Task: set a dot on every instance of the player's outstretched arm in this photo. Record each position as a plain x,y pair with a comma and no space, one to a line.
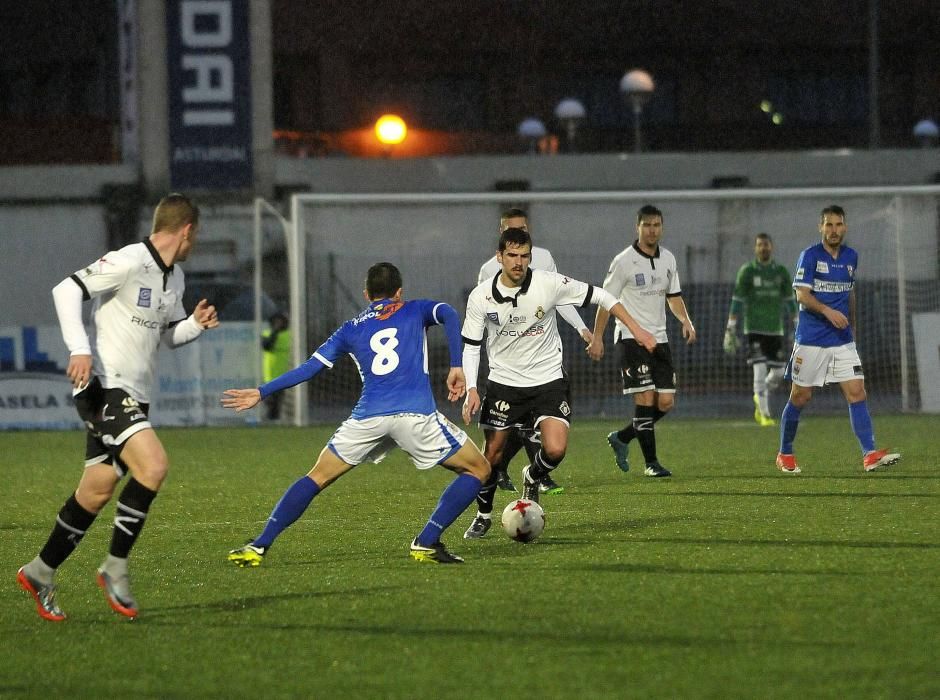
640,334
241,399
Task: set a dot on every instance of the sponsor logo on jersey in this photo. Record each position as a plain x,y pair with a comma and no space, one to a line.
757,281
380,312
144,296
639,279
822,267
138,321
517,319
493,316
822,286
387,311
532,331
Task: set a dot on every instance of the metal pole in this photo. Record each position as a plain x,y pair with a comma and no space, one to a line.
898,204
637,138
259,365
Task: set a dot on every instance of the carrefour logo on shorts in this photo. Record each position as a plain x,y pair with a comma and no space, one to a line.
143,297
501,406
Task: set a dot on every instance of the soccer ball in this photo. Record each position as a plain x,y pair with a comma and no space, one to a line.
523,520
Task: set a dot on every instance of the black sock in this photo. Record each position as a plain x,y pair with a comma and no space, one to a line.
628,432
541,466
486,494
645,434
132,508
70,526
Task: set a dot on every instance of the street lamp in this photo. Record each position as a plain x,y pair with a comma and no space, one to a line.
390,130
926,133
531,130
637,85
570,112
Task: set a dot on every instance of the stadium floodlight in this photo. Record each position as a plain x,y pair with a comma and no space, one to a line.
531,129
926,133
637,87
570,112
390,130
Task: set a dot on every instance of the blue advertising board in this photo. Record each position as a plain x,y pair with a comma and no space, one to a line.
209,84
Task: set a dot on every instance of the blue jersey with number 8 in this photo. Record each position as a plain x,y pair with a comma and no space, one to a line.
388,343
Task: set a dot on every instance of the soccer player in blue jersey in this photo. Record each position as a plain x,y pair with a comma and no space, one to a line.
387,341
824,346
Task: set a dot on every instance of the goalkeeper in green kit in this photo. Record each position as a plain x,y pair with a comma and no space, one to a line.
763,291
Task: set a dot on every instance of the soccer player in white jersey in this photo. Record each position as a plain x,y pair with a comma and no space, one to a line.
388,343
541,260
645,279
138,294
824,346
526,385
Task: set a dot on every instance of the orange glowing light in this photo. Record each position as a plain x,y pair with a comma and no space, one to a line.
390,129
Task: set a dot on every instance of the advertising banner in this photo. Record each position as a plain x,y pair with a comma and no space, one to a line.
36,395
209,90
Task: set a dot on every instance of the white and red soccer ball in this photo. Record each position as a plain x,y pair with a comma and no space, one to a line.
523,520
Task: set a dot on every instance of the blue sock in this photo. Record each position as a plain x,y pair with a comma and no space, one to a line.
454,501
789,422
860,419
291,506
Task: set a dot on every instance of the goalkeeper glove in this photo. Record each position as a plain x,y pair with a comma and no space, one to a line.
731,342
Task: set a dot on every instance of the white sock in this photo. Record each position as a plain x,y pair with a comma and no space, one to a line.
114,566
38,570
760,387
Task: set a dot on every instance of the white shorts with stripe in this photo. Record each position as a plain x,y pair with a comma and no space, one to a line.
811,365
428,440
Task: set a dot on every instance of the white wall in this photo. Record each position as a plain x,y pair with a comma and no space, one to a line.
52,218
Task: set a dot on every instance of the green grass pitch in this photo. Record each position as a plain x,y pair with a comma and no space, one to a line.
728,580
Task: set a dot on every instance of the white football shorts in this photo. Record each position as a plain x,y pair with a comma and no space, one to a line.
428,440
814,366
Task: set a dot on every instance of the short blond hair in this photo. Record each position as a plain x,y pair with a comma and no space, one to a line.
173,213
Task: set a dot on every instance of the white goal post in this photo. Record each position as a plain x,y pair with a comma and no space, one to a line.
439,240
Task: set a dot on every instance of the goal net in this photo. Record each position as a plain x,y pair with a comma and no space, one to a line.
439,242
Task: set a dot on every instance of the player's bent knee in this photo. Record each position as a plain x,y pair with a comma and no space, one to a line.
92,500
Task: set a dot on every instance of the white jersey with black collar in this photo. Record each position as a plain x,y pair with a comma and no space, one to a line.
641,283
136,298
522,341
541,260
